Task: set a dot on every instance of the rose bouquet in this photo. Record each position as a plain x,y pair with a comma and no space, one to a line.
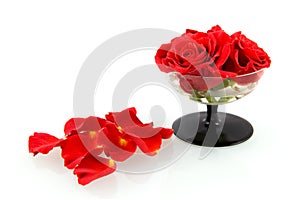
213,67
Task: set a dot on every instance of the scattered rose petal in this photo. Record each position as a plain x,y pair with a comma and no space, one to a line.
87,138
42,143
92,167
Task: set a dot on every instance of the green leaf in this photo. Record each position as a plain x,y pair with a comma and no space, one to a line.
227,82
211,99
225,99
196,99
196,96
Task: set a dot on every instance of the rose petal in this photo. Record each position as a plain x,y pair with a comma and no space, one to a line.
215,28
42,143
149,146
77,125
72,125
118,146
92,167
166,133
190,31
227,74
93,123
248,78
159,58
75,147
145,136
192,82
126,118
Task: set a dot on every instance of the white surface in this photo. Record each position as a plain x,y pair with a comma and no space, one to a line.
42,47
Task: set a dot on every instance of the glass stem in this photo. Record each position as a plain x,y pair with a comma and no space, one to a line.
212,116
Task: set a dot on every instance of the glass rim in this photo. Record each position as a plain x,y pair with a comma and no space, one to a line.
238,76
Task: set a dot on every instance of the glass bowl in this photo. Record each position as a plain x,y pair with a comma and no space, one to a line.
215,90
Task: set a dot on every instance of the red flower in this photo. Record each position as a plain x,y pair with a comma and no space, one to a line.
216,43
195,56
198,58
245,58
87,138
194,52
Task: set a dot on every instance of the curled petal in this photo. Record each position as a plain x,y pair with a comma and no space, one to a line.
160,57
93,123
42,143
165,133
191,31
117,145
150,145
75,147
125,118
73,151
77,125
141,132
72,125
93,167
147,138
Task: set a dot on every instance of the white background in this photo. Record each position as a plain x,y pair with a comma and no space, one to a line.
43,45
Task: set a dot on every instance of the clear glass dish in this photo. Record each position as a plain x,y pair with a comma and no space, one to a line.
215,90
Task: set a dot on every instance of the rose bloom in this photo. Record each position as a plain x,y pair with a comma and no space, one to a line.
198,56
195,53
246,57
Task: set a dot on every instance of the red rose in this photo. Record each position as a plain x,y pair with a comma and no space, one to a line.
196,55
199,57
194,51
246,57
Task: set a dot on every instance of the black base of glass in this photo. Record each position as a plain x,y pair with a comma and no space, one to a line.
212,128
